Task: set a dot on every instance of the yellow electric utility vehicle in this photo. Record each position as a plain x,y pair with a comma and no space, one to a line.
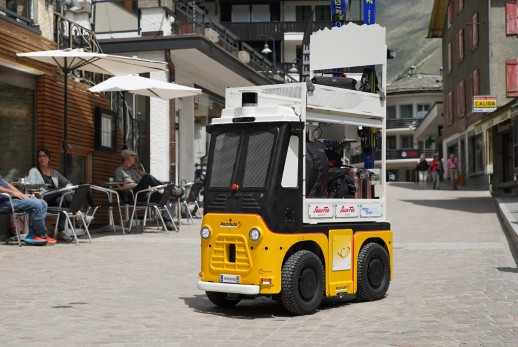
277,220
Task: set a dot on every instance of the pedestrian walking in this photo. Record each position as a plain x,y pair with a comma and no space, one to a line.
437,170
452,169
422,170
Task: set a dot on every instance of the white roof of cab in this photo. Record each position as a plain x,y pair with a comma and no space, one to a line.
258,114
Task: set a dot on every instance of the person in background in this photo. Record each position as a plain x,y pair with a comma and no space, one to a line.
136,180
437,171
452,169
43,174
36,208
422,170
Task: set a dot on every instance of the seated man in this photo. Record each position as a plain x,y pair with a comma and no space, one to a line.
36,208
137,181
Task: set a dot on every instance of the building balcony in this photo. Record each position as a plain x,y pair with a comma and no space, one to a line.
257,31
403,123
396,154
222,36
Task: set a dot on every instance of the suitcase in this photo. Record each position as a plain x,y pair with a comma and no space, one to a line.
363,182
337,82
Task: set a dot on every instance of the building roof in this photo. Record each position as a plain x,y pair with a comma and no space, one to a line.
437,19
193,53
416,83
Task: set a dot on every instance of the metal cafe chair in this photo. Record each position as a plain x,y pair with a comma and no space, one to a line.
14,214
192,198
93,206
74,210
165,191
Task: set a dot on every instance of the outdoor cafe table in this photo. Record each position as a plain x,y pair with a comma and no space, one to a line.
27,187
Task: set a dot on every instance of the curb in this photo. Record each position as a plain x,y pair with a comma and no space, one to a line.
506,219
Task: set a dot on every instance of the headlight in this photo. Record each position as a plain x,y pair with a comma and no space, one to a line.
205,233
254,234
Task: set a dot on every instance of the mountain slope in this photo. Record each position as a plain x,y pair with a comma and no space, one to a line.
407,27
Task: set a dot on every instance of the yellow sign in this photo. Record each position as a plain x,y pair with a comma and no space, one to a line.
484,103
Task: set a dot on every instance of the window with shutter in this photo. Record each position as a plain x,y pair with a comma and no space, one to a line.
462,98
476,82
448,109
461,45
450,57
457,55
471,94
450,14
511,74
511,17
457,101
474,26
474,32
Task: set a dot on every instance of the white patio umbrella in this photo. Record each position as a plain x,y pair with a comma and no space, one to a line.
68,60
145,86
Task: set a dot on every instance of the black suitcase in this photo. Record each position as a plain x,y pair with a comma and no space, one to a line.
338,82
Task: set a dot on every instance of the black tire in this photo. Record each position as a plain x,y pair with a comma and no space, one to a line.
373,272
222,300
302,283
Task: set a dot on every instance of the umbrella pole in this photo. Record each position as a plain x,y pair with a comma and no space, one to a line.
65,130
124,119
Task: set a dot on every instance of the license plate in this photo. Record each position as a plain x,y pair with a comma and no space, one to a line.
229,278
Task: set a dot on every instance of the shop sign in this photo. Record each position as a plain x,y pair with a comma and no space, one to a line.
409,153
494,120
484,103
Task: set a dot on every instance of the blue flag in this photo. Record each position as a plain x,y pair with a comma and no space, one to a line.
338,9
369,11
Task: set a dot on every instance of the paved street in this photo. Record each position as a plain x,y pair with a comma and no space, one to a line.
455,283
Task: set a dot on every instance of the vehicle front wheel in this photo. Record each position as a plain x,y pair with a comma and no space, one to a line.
302,283
373,272
222,299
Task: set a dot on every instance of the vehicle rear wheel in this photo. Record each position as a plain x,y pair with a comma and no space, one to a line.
302,283
373,272
222,299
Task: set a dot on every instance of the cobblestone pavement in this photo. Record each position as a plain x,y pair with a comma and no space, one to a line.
455,282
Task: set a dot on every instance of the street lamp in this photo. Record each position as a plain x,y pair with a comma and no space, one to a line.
267,50
294,64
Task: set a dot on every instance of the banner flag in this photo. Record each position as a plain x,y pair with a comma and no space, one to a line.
338,11
369,11
304,66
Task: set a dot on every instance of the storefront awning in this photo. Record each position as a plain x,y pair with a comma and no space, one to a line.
497,118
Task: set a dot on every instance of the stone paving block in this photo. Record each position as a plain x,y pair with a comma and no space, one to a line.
454,283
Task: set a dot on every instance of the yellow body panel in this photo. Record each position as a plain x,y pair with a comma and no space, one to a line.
229,251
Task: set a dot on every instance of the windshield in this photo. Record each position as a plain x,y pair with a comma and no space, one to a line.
243,158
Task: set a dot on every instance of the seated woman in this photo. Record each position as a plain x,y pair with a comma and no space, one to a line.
43,174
